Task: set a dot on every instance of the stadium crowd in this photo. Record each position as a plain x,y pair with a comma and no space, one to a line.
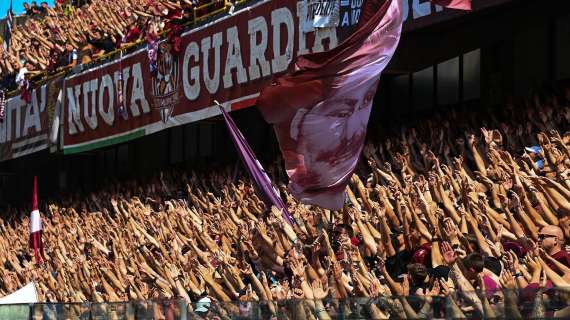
469,208
75,33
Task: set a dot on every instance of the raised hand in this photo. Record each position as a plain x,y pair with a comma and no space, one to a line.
487,136
513,261
451,230
406,285
318,291
297,268
508,281
381,209
435,289
205,273
448,253
533,263
387,167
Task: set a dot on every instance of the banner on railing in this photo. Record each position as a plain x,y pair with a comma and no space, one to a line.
229,60
25,127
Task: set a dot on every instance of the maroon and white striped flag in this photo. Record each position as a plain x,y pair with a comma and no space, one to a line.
36,243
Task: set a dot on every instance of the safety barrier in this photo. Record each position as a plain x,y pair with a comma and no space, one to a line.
532,302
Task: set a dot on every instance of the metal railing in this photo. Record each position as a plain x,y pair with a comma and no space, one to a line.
547,303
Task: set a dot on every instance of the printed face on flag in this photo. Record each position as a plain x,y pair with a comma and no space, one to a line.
326,102
329,136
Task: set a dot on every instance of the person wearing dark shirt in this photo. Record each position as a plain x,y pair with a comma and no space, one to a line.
69,57
43,9
551,239
80,3
27,9
101,42
8,81
35,9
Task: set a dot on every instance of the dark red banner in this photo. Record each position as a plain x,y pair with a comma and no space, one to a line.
26,127
229,60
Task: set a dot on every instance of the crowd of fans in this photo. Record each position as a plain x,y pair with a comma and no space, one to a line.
76,32
470,208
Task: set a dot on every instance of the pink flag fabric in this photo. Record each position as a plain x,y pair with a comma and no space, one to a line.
269,193
320,110
36,243
454,4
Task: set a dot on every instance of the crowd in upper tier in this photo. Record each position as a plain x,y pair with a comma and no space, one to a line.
77,32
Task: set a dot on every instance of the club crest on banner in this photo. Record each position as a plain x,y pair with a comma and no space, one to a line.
165,82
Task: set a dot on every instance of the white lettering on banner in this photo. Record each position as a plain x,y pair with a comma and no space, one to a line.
212,83
282,16
89,108
356,4
353,8
233,59
355,16
12,127
257,50
322,34
199,52
137,96
107,87
94,92
33,110
304,26
191,90
345,20
203,67
73,110
351,14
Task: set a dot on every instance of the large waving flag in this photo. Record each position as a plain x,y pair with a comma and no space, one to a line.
454,4
36,243
269,194
320,110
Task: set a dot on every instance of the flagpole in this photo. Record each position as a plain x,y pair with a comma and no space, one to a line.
9,26
256,172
